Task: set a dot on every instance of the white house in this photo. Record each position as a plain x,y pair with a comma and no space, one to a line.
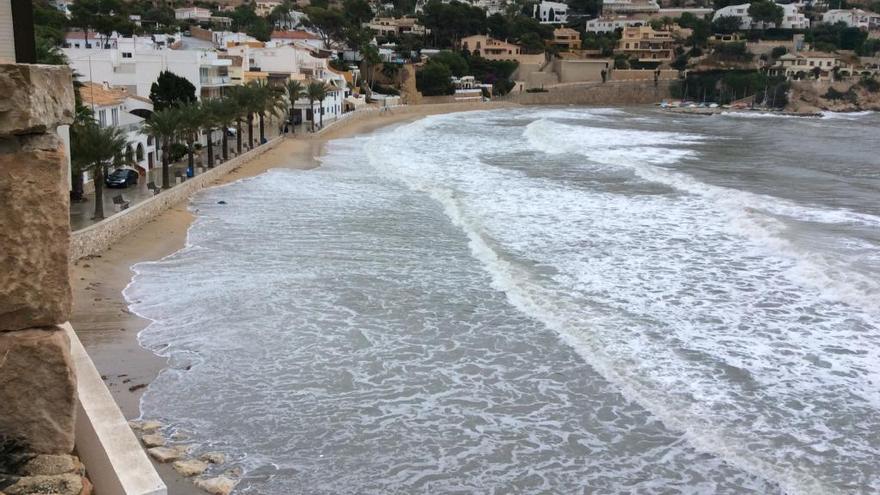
550,12
853,18
297,37
792,17
611,24
117,108
627,7
96,41
136,69
198,14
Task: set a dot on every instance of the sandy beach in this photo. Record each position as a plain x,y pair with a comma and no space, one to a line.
101,316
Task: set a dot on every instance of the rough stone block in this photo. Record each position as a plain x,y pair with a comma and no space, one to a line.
36,98
37,390
34,233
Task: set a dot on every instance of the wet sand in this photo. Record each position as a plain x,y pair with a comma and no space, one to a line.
100,314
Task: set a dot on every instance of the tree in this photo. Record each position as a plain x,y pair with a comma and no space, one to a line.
449,22
210,117
170,90
260,29
227,113
295,91
498,26
190,124
163,126
726,24
371,58
455,62
329,23
435,79
94,148
766,12
357,12
316,91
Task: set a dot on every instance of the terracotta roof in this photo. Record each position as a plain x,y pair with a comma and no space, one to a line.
80,35
96,94
294,35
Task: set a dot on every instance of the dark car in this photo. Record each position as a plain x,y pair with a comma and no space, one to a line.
123,177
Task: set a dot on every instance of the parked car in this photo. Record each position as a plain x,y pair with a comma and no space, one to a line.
122,177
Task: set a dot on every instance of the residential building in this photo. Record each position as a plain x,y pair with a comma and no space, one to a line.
646,44
550,12
792,17
391,26
628,7
197,14
853,18
115,107
138,68
492,49
566,39
265,7
96,41
805,65
609,24
312,40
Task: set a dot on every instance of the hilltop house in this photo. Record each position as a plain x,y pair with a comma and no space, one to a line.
396,26
628,7
492,49
609,24
550,12
792,17
566,39
853,18
646,44
806,65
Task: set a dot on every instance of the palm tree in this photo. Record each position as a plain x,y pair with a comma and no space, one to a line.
321,97
95,148
227,114
315,92
267,99
163,125
210,117
295,91
190,124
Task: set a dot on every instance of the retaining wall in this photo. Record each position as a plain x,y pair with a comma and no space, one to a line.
610,93
96,238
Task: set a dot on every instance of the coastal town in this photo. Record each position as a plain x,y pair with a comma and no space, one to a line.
118,112
297,67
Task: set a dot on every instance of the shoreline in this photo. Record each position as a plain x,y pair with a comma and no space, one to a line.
109,330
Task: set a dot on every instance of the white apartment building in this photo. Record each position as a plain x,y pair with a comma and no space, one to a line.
550,12
792,17
611,24
136,69
628,7
279,64
95,41
265,7
198,14
857,18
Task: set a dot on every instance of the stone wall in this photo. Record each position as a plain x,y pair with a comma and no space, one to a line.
610,93
96,238
37,380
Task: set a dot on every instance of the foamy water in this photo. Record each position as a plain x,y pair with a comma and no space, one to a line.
538,300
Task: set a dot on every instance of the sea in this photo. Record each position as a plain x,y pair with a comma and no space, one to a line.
558,300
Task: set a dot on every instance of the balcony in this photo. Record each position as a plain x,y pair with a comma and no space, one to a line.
215,81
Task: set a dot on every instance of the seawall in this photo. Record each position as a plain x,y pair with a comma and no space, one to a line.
610,93
98,237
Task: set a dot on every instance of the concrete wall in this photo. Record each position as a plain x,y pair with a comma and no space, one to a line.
581,70
611,93
642,75
7,41
97,237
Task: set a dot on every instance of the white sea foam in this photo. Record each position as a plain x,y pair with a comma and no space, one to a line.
389,331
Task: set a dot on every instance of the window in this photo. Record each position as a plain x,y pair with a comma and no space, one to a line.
126,54
114,116
102,118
